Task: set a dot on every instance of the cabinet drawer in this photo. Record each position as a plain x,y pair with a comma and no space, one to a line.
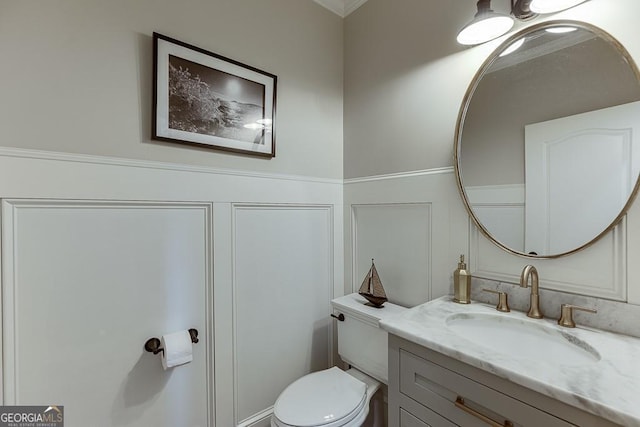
438,388
408,420
410,408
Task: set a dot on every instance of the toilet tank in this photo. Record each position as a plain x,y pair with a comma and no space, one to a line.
361,341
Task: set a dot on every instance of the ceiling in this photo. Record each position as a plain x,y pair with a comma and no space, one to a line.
341,7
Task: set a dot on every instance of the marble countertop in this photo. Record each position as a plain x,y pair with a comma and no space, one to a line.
609,387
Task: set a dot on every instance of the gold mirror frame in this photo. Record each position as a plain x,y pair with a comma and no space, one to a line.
465,105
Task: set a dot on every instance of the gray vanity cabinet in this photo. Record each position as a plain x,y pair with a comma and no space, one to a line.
427,388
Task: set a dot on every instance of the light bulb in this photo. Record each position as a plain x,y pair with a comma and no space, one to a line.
560,30
484,28
513,47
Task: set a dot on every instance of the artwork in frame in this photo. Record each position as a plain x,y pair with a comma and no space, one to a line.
206,99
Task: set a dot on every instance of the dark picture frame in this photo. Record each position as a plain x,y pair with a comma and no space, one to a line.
205,99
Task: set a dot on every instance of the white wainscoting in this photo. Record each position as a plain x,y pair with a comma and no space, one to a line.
398,237
415,227
601,271
53,198
633,253
85,284
87,238
282,287
598,271
500,208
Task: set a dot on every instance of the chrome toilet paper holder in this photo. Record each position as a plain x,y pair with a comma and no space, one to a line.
153,344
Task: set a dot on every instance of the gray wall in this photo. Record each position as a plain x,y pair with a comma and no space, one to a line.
403,84
76,76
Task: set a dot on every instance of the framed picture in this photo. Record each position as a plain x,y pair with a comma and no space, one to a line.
209,100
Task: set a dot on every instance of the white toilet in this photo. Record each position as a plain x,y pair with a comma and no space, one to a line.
337,398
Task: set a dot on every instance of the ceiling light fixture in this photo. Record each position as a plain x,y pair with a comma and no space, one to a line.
486,25
551,6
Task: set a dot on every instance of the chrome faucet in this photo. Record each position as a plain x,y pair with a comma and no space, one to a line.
534,306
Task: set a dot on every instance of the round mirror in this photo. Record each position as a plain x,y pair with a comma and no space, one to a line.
547,147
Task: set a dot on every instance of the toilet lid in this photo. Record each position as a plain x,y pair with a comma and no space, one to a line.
320,398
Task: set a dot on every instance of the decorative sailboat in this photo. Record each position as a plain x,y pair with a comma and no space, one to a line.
372,289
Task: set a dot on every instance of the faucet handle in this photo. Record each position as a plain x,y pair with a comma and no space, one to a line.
566,314
503,304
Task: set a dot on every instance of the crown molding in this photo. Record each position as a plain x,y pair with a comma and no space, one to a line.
341,7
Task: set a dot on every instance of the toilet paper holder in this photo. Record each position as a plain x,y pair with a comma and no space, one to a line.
153,344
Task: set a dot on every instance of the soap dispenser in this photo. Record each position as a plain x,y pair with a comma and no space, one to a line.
462,283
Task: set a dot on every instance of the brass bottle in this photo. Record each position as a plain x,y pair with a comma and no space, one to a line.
462,283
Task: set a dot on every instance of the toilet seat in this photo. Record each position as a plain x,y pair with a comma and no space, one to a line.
329,398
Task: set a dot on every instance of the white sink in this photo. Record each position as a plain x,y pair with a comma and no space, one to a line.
522,339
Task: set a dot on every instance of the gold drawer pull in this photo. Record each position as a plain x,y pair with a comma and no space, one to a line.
460,404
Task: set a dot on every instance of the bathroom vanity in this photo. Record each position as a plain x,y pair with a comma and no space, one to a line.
469,365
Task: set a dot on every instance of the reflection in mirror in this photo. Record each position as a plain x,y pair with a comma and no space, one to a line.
545,153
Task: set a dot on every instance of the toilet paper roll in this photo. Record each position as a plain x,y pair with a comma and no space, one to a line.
178,349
